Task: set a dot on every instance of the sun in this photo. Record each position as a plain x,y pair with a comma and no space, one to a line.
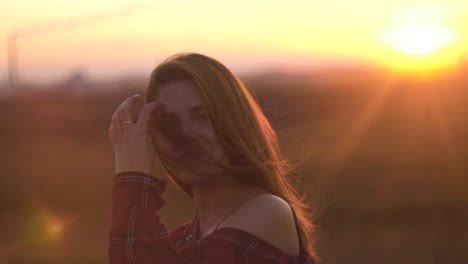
419,40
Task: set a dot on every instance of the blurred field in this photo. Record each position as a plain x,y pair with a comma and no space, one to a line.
387,170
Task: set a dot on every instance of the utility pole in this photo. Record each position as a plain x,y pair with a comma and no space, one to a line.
38,29
13,77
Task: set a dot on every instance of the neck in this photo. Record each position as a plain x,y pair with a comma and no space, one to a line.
215,201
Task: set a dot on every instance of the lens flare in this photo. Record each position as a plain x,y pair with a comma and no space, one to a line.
46,227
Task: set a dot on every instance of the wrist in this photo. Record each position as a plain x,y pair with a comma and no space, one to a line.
122,165
119,169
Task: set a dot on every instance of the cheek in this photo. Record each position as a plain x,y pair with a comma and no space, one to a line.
165,145
205,130
211,141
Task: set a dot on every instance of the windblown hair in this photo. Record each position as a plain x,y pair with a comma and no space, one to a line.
241,127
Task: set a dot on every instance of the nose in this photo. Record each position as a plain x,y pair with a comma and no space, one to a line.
184,134
183,142
185,127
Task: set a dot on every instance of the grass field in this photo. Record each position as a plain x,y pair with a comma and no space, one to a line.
387,169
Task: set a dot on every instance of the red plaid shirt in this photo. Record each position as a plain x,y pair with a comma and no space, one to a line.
136,234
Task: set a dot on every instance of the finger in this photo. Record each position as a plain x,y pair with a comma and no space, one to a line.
125,113
115,116
145,114
113,128
110,128
116,124
117,110
111,131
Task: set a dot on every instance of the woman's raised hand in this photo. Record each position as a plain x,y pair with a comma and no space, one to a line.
133,149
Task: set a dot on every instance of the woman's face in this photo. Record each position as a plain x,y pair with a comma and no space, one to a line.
185,118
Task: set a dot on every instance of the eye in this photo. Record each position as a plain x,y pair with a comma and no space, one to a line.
166,120
202,115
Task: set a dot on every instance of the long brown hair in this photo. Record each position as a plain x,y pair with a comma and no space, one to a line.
241,127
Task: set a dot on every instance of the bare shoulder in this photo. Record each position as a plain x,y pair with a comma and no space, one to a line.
270,218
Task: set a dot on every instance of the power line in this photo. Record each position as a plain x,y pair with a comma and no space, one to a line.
42,28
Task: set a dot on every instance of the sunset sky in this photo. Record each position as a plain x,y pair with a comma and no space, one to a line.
120,37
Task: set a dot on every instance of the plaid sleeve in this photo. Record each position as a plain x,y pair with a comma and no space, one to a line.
136,235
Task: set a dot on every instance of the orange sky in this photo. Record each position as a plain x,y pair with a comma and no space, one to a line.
122,37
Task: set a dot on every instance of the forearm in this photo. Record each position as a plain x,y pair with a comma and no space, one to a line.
136,234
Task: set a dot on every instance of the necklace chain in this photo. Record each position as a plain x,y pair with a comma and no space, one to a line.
197,220
224,217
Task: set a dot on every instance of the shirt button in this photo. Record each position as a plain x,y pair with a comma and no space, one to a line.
188,237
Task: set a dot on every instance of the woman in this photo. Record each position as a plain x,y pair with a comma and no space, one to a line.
216,144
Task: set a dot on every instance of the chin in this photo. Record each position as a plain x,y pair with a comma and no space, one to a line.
187,178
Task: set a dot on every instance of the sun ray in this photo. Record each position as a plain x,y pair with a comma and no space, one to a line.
413,111
334,160
445,138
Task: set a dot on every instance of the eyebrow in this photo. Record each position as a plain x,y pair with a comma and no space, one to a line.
197,108
193,109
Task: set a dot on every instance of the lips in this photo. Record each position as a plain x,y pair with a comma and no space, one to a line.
184,158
